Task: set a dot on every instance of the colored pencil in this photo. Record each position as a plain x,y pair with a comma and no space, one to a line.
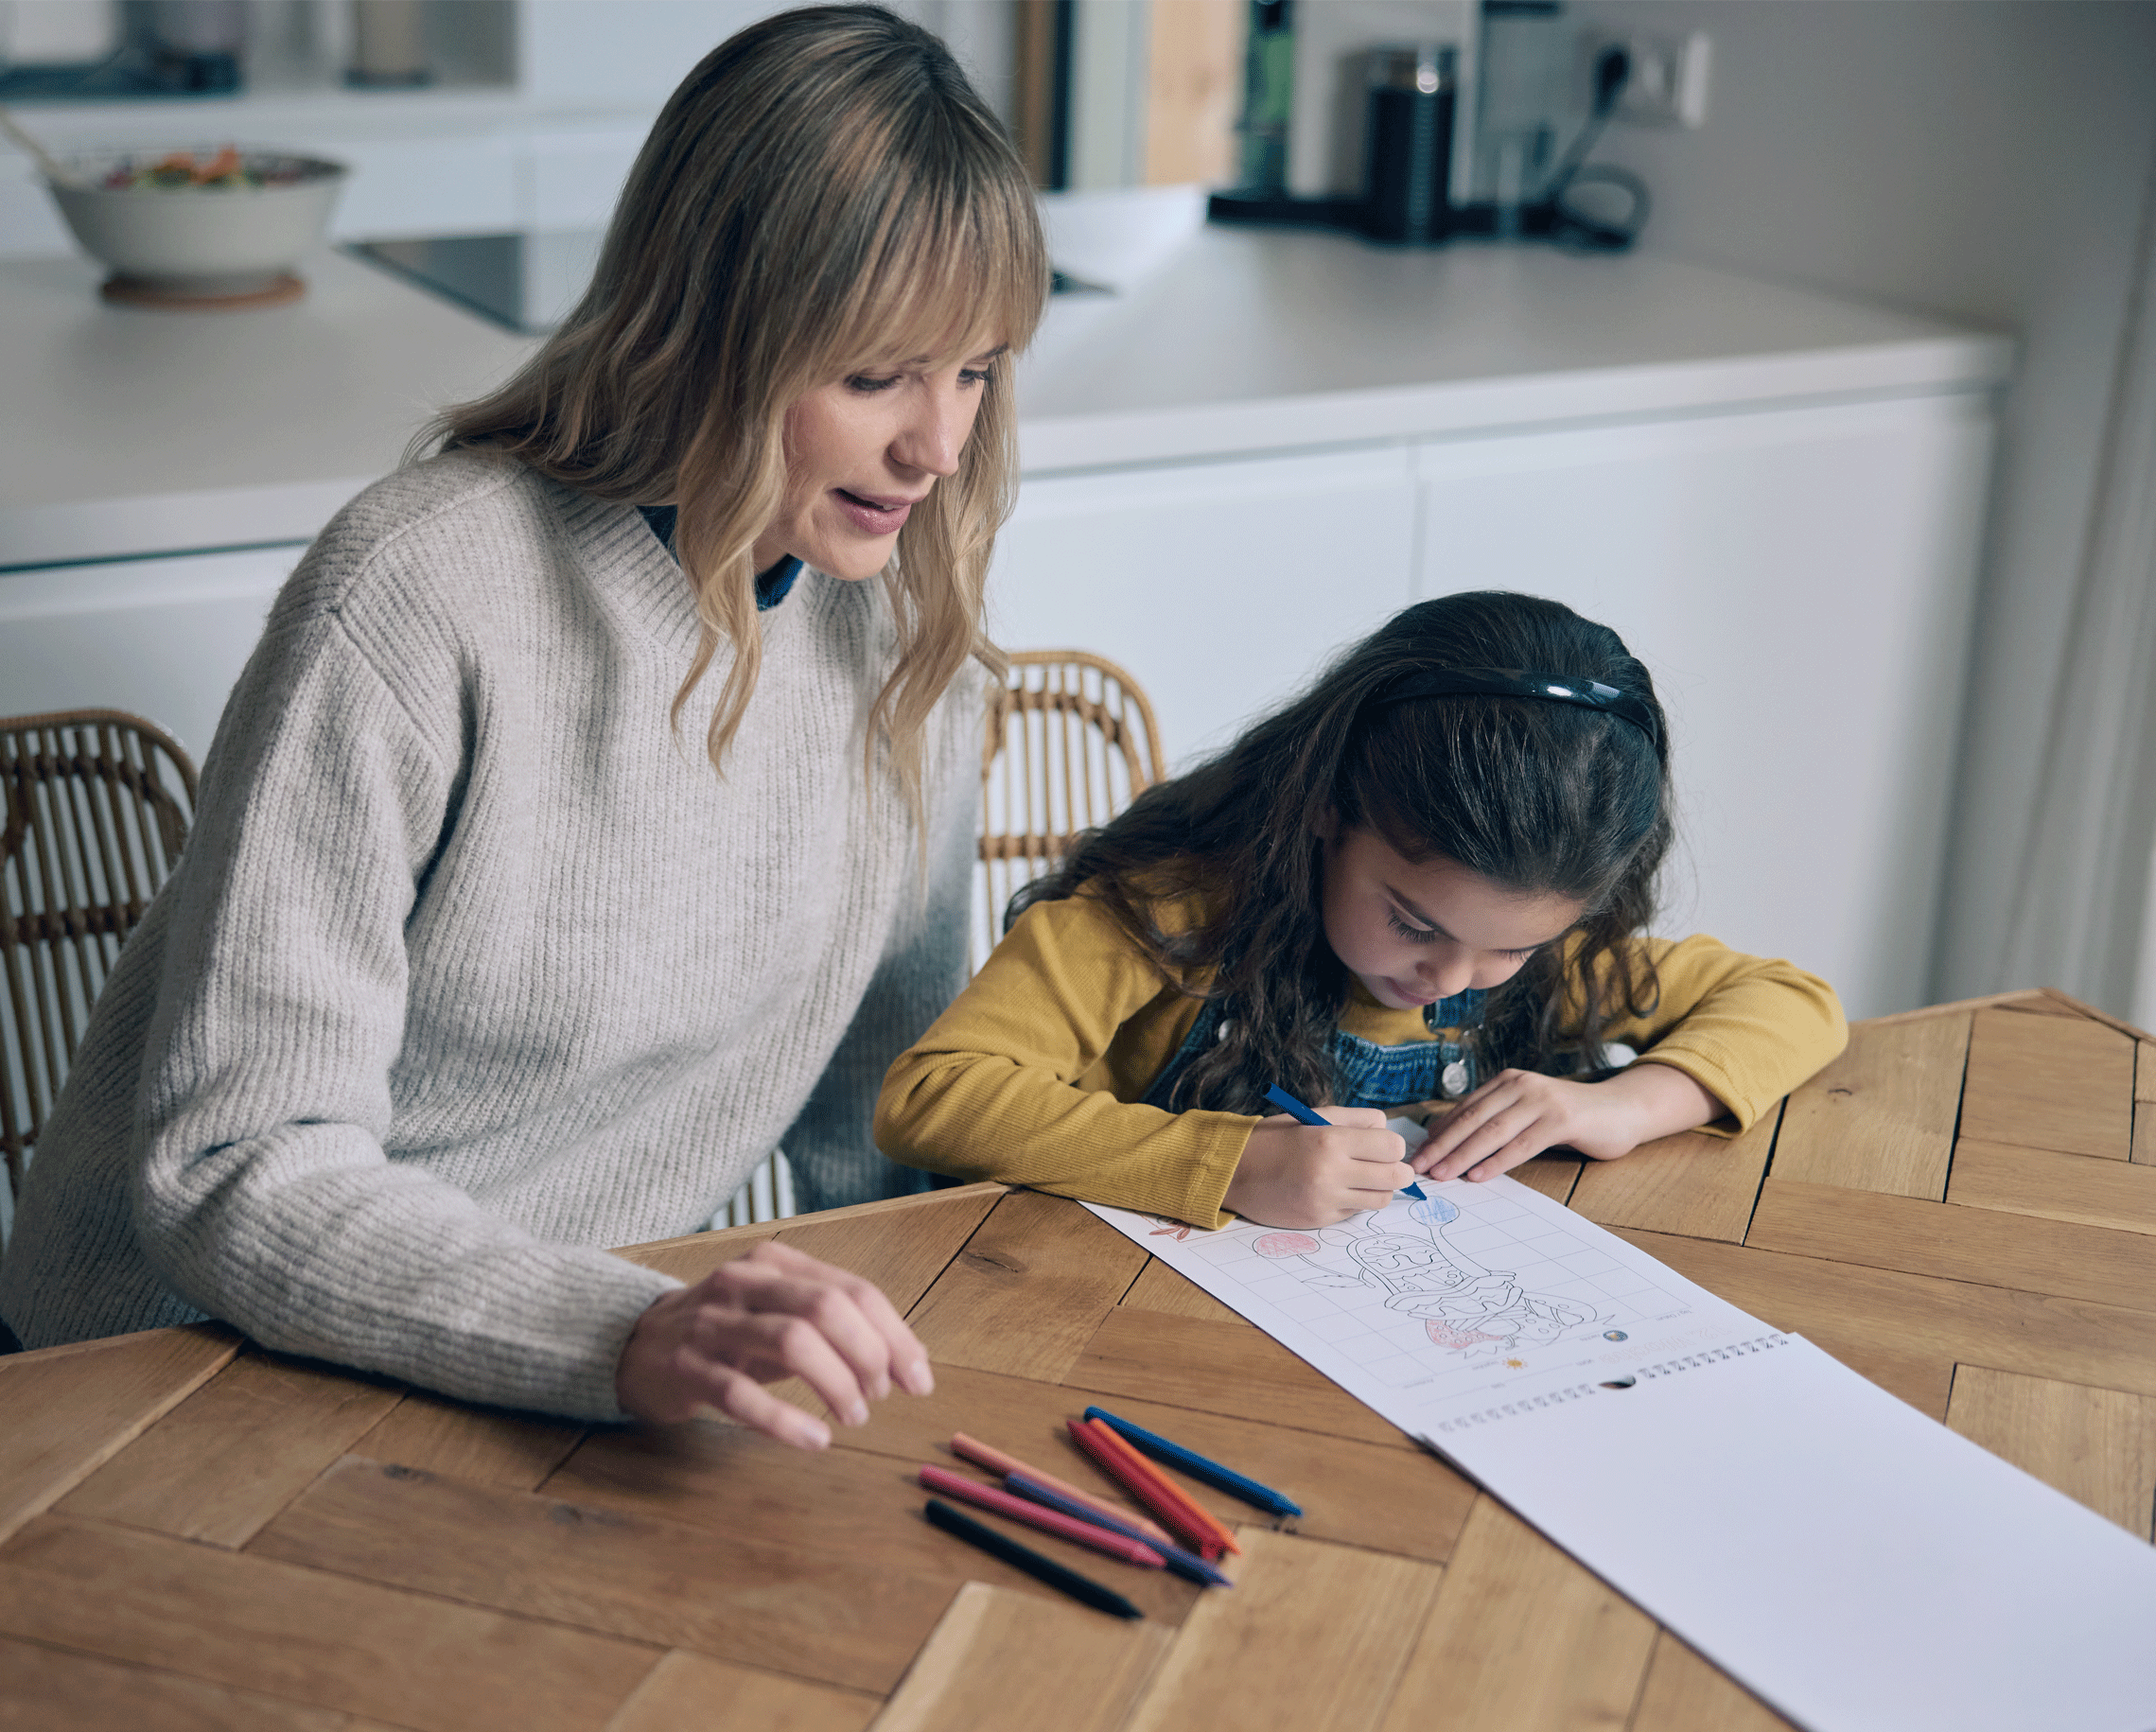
1184,1562
1302,1115
1022,1557
1202,1518
1196,1465
996,1462
1126,1548
1115,1460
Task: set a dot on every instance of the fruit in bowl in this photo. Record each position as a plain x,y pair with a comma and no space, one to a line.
201,227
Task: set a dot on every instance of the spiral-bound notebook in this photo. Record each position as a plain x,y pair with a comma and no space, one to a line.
1858,1566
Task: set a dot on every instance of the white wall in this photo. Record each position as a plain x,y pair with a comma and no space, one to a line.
1986,159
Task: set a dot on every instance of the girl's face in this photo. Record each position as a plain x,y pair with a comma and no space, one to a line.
1413,933
862,451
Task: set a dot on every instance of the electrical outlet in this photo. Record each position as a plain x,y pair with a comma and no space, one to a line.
1668,82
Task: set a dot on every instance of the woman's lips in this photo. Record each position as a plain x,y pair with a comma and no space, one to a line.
873,516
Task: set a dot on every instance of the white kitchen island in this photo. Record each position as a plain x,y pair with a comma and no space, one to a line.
1260,447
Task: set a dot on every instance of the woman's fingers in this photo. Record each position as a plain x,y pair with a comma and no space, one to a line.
856,1318
741,1397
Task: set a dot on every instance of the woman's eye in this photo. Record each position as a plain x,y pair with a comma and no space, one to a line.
971,377
861,382
1414,935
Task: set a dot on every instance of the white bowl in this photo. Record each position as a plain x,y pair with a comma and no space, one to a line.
200,242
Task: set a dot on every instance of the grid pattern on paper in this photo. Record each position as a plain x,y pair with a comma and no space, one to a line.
1393,1347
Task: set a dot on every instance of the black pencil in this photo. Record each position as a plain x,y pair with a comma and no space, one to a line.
1032,1563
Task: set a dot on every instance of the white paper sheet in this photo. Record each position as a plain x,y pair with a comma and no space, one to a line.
1857,1565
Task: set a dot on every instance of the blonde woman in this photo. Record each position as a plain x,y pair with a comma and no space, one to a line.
593,817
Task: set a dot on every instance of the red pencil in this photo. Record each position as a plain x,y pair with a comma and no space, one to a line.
1039,1515
996,1462
1146,1491
1201,1516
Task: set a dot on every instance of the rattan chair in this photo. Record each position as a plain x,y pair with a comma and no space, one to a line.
1071,742
97,807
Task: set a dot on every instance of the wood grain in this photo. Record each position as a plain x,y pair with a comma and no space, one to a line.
2052,1186
903,1265
71,1409
236,1451
695,1256
1220,1368
1230,1670
318,1639
693,1692
1520,1636
1961,1244
1882,1116
1041,1257
2145,1070
842,1617
45,1688
1357,1492
2098,1446
1554,1176
485,1445
843,1502
2049,1082
1160,1287
1683,1693
1692,1184
1907,1332
1006,1662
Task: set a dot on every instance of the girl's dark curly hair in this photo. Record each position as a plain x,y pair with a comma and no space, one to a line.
1542,797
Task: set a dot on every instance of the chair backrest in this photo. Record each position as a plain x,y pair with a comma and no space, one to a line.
1071,742
97,805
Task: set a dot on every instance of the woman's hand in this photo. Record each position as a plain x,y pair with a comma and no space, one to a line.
774,1312
1294,1175
1518,1114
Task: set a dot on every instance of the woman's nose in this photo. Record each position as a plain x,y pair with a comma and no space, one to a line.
935,433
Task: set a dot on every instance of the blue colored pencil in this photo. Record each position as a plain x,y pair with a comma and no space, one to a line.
1184,1562
1302,1115
1196,1465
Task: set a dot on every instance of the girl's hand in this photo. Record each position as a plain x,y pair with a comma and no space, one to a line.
1294,1175
1518,1114
774,1312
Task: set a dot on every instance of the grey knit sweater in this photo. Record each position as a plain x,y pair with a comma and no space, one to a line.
473,967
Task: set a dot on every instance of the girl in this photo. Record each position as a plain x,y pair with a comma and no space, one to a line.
1428,877
595,813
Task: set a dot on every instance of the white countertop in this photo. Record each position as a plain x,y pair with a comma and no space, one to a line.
125,431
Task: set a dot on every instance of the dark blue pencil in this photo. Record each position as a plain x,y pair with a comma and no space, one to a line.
1078,1587
1302,1115
1196,1465
1184,1562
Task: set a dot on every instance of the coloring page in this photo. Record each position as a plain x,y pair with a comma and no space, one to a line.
1426,1310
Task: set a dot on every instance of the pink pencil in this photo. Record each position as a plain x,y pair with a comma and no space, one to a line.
997,1463
1047,1521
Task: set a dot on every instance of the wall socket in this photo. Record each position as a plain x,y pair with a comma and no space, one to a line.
1668,84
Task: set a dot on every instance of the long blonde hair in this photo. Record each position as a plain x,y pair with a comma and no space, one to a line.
825,191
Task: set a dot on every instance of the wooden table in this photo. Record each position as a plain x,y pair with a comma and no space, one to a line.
201,1535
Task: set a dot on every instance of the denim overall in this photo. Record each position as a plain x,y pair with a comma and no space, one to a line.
1364,1072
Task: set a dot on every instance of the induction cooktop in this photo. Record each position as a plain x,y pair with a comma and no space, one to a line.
527,280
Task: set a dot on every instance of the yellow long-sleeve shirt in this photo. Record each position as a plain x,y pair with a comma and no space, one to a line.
1037,1073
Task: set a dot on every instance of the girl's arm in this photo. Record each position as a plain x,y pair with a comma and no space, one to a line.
1009,1082
1731,1035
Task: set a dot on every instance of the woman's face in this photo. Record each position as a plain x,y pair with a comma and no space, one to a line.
862,451
1416,932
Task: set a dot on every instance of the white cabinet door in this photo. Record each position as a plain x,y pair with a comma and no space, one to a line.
162,638
1221,586
1799,582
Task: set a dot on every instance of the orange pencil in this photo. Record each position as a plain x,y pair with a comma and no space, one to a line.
1201,1516
987,1456
1149,1490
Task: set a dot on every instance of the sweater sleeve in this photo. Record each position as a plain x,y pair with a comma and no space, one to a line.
990,1090
1747,1029
262,1192
832,1147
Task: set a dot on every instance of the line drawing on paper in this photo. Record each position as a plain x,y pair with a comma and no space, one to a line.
1423,1294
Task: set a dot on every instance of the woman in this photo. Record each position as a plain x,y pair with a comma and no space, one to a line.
587,822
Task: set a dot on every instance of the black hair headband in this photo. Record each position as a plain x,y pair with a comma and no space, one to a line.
1514,682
